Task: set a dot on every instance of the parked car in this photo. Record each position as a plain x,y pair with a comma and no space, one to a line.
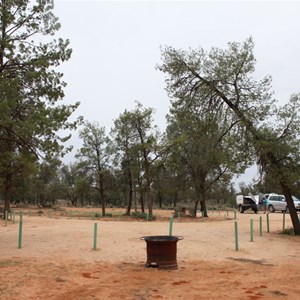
296,203
278,203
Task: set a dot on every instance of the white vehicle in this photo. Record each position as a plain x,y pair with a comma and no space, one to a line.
246,202
278,203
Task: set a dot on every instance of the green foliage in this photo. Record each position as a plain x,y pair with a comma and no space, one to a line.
94,155
289,231
144,216
30,88
223,81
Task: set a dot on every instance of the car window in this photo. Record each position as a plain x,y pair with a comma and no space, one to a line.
276,198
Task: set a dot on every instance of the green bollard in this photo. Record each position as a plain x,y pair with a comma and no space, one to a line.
171,226
202,215
227,213
147,217
235,214
21,216
268,223
95,236
14,217
6,216
260,226
251,230
20,234
283,221
236,236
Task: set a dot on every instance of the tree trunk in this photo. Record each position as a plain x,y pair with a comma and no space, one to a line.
292,210
175,199
203,208
134,195
196,207
130,194
200,191
142,202
7,193
148,191
102,200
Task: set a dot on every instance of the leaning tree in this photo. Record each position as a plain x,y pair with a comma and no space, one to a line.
224,79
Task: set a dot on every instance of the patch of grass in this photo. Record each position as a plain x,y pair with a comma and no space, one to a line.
141,215
8,263
288,231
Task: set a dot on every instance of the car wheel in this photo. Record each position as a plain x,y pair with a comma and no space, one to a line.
271,209
241,209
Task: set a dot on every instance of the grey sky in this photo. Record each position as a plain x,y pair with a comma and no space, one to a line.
116,45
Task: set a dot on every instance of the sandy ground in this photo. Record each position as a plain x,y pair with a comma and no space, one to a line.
57,260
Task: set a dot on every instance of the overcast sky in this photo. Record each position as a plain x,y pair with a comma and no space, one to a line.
116,46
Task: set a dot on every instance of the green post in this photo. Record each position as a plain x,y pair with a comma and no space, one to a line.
21,216
179,216
171,226
95,236
20,234
202,215
147,216
235,214
236,236
6,216
283,221
14,217
260,226
251,230
268,223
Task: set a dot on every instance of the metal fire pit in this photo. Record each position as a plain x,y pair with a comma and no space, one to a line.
161,251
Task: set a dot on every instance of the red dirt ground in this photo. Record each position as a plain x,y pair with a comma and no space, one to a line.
57,260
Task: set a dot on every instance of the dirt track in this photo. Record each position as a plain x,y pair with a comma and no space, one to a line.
57,261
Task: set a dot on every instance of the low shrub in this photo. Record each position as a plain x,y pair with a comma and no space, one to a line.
288,231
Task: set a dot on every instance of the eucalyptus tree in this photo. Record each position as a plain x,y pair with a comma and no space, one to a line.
136,140
95,155
30,88
47,184
224,79
148,138
76,182
205,151
125,141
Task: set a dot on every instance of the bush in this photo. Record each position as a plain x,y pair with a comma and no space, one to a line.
289,231
141,215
